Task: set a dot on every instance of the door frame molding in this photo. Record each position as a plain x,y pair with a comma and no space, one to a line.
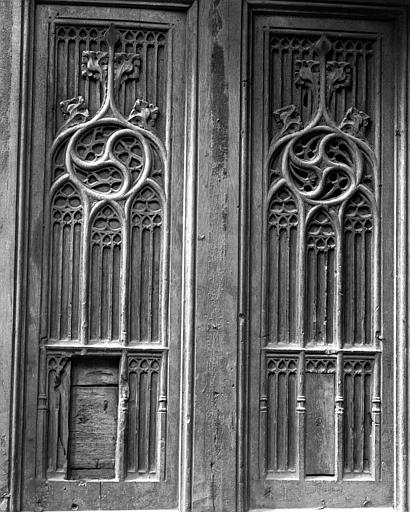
24,148
399,14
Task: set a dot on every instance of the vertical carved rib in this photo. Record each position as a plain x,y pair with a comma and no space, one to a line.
145,266
358,271
105,269
142,446
58,402
65,243
281,375
358,388
320,279
282,255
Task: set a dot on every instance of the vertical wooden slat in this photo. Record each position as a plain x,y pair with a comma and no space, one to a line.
320,427
99,296
60,279
275,428
291,437
132,423
267,411
123,412
150,283
148,390
339,418
70,281
110,291
152,450
138,408
301,416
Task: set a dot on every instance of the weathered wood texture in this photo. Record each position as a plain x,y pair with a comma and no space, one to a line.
10,83
319,222
320,424
221,340
93,418
105,224
217,264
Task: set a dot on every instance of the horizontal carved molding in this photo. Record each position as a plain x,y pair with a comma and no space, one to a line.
165,5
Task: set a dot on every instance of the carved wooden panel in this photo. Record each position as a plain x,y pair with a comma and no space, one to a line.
110,165
322,171
281,408
58,403
316,228
143,376
323,211
93,418
108,215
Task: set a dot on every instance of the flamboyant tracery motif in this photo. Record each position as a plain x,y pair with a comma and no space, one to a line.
109,157
321,222
108,219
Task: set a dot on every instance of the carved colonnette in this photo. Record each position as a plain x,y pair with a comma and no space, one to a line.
107,241
320,261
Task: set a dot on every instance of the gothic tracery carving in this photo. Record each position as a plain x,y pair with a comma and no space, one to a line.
322,208
107,218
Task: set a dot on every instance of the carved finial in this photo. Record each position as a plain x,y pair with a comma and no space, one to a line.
355,122
112,36
143,114
95,64
75,111
288,118
323,45
324,76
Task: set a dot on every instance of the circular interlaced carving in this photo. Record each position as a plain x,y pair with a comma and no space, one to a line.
108,158
324,166
130,152
91,144
106,179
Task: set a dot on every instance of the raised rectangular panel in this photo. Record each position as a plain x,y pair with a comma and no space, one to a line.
142,452
109,98
358,390
320,193
320,424
281,404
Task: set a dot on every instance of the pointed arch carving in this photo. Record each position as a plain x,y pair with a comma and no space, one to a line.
358,261
283,220
321,265
146,229
320,279
109,177
66,219
105,269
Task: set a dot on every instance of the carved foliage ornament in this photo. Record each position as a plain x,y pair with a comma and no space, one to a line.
109,156
323,162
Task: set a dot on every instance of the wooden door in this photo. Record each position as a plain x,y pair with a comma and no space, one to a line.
321,226
212,296
104,355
